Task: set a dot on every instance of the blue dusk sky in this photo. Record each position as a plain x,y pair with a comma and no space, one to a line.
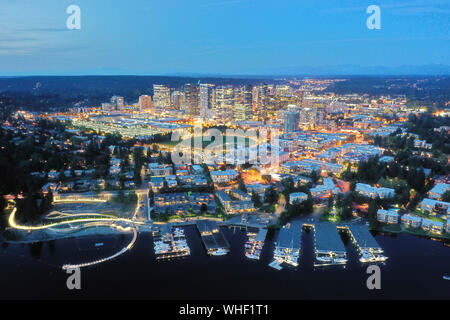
155,37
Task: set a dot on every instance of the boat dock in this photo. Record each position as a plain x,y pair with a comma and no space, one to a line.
362,238
255,243
368,247
287,246
213,239
169,243
329,249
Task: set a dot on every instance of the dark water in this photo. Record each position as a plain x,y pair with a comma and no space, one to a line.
414,270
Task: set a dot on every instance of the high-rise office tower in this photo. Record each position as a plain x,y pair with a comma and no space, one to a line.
243,104
207,100
118,102
145,104
291,121
224,103
161,97
308,118
293,108
191,99
262,101
177,99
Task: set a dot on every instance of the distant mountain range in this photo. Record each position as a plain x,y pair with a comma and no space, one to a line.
336,70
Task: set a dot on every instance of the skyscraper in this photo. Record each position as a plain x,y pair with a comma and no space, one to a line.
161,97
207,100
243,103
291,120
177,99
224,103
145,104
118,102
262,101
191,99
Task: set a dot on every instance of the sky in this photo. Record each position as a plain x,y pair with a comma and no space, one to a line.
233,37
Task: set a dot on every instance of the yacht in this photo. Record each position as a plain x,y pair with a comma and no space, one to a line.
219,252
366,256
446,277
324,259
340,260
276,265
380,258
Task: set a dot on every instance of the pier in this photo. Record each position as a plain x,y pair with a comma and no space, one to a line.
329,248
213,239
362,238
288,244
170,242
255,243
368,247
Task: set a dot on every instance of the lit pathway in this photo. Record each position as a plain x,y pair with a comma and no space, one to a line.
87,264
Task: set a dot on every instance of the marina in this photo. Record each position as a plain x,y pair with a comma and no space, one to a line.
170,242
213,239
255,243
287,246
329,249
368,247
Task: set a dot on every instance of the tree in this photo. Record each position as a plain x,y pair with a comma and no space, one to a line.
271,195
256,200
446,196
372,214
314,177
241,185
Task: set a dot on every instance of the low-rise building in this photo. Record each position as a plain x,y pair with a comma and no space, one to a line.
196,200
435,206
432,226
156,183
225,176
410,220
157,169
374,192
297,197
326,190
388,216
235,206
173,203
193,180
438,190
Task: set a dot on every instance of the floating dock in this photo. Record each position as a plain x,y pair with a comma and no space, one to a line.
363,239
329,249
287,246
255,243
368,248
170,243
213,239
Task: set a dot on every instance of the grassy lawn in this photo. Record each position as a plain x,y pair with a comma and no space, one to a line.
391,228
330,218
268,208
424,214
